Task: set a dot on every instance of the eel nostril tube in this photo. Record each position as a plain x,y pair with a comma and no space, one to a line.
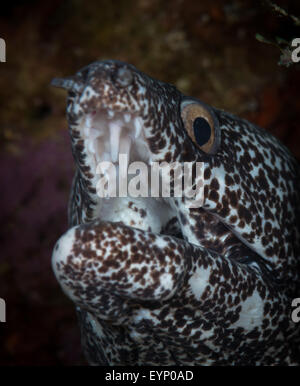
68,83
123,76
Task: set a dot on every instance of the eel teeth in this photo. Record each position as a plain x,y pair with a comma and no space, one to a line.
127,117
86,131
109,133
138,126
91,147
110,113
115,131
125,146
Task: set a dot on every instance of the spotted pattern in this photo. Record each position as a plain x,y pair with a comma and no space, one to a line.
158,283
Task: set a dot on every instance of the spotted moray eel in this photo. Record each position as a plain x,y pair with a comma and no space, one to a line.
154,281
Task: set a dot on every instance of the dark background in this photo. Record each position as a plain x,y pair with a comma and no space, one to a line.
206,48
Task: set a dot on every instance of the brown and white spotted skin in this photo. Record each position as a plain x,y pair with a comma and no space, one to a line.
156,282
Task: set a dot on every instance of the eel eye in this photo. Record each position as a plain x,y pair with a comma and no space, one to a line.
201,125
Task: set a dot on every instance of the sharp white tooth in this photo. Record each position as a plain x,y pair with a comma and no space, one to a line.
88,121
138,127
115,131
125,146
91,147
127,117
99,149
110,113
86,131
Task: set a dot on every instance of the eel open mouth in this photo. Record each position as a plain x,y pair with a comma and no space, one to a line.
108,133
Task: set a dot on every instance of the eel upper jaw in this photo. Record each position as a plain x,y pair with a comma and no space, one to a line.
107,130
